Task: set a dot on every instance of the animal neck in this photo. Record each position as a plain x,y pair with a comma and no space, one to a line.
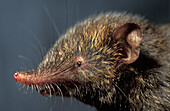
123,93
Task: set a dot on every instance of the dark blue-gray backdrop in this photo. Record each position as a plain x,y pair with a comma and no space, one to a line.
22,20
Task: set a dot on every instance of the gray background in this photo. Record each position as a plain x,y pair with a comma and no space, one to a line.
25,26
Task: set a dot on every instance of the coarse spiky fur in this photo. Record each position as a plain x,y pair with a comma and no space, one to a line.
103,80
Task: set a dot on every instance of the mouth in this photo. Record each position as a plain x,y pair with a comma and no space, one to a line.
53,90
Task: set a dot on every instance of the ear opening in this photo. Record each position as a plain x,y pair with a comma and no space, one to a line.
130,35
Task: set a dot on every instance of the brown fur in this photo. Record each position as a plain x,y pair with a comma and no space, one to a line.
103,80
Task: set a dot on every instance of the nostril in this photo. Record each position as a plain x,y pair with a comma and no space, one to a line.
16,75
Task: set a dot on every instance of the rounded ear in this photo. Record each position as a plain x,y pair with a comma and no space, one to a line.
130,36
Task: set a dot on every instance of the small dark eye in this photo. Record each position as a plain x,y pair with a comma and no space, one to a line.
79,63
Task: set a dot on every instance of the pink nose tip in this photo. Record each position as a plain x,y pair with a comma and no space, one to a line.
16,75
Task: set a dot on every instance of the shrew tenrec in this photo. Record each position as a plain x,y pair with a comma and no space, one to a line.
113,61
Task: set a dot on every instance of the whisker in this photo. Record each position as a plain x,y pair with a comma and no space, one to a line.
36,38
78,91
66,7
36,87
27,60
52,87
130,100
37,51
49,89
23,86
32,87
59,91
24,67
74,9
70,93
51,19
27,89
20,86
